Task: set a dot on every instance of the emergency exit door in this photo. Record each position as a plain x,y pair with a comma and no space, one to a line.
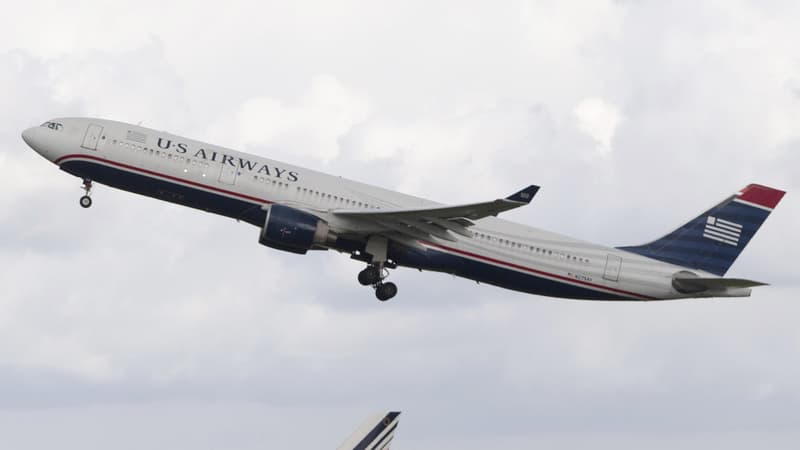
228,174
613,265
93,132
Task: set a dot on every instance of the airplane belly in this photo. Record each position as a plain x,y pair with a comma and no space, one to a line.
169,191
506,274
425,259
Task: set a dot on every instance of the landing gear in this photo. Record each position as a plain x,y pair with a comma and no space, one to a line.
373,276
385,291
369,276
86,200
376,255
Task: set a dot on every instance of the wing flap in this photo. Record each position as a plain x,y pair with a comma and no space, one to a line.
452,225
403,229
434,230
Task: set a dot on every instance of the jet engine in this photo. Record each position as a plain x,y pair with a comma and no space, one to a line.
293,230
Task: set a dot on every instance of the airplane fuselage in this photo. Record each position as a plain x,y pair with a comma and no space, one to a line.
242,186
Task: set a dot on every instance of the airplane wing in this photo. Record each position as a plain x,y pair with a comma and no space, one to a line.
440,221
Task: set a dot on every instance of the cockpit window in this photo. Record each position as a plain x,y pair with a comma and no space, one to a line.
53,125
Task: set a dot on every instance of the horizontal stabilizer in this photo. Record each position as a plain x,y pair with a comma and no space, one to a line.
691,284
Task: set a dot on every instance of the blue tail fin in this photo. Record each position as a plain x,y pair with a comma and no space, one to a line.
713,240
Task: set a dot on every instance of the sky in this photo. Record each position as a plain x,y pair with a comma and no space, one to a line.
138,324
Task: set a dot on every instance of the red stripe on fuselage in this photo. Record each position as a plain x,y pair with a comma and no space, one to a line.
161,175
539,272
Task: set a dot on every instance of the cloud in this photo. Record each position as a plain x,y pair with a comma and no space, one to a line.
599,120
306,130
173,328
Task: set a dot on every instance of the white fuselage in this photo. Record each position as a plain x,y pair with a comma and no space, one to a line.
239,185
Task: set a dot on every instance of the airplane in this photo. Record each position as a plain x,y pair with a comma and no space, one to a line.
298,210
376,433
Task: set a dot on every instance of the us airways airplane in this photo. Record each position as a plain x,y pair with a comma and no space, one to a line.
298,210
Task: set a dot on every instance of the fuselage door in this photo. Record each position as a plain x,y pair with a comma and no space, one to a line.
228,174
92,136
613,266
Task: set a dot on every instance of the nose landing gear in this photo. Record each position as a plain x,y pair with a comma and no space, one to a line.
373,275
86,200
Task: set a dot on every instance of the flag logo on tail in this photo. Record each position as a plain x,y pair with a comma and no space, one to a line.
722,231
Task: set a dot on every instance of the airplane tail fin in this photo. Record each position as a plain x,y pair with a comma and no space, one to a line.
376,433
713,240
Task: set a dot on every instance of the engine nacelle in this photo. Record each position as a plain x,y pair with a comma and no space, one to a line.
292,230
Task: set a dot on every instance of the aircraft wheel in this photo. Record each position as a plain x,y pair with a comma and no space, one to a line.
369,276
385,291
86,201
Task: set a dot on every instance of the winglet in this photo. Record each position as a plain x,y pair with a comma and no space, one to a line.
525,195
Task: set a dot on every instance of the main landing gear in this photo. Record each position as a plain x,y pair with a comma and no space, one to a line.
375,255
374,275
86,200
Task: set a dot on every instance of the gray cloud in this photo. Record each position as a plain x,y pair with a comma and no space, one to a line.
138,324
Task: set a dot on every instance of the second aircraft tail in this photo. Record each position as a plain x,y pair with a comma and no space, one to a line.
376,433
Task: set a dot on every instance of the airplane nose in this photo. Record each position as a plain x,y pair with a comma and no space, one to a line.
27,136
39,139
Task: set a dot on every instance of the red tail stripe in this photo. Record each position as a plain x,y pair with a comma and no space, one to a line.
761,195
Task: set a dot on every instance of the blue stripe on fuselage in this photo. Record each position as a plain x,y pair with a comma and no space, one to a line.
168,191
441,261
